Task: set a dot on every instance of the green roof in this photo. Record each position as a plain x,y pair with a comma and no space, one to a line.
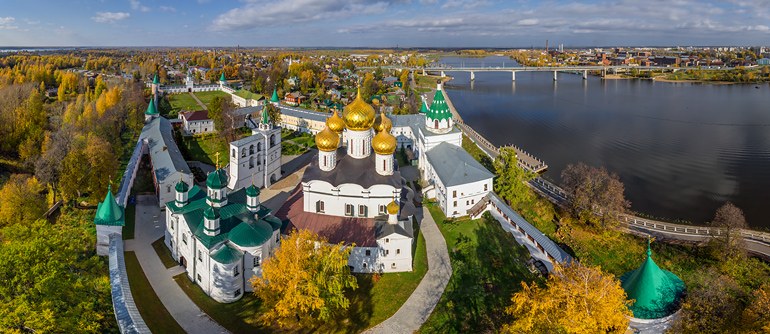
222,77
217,179
424,108
265,115
155,79
108,212
182,187
151,110
275,96
210,214
656,292
439,109
252,191
226,255
251,234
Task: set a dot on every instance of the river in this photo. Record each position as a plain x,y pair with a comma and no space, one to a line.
681,149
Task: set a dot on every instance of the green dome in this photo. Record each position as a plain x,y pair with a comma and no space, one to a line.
439,109
151,110
252,191
656,292
211,214
251,234
182,187
108,212
217,179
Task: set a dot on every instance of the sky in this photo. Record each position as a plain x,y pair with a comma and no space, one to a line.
374,23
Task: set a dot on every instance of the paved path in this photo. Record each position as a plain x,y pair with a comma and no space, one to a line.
199,101
410,317
150,227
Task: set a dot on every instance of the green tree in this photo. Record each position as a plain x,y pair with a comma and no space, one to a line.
511,181
304,283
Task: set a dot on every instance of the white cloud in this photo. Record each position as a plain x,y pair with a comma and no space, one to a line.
6,23
110,17
255,12
167,9
136,5
528,22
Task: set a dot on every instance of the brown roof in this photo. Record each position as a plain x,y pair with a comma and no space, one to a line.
360,231
199,115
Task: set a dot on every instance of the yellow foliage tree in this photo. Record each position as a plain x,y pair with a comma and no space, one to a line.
576,299
304,283
20,200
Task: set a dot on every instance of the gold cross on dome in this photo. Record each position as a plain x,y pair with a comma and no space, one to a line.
217,155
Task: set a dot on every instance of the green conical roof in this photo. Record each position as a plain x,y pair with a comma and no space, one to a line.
252,191
656,292
439,109
182,187
275,96
265,115
108,212
151,110
155,79
424,108
222,77
210,213
217,179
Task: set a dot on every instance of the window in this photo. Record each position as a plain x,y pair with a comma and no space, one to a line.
325,158
435,124
259,147
473,201
362,210
184,238
171,243
368,252
251,149
233,153
319,206
277,237
199,278
236,272
393,265
237,293
243,153
387,240
168,188
200,256
272,140
387,252
398,251
486,187
467,202
364,265
251,162
257,262
381,209
348,209
383,165
454,193
455,203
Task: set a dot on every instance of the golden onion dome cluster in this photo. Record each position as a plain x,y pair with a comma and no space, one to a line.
327,140
384,143
358,115
393,208
382,123
335,123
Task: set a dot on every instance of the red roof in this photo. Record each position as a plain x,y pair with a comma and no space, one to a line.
360,231
199,115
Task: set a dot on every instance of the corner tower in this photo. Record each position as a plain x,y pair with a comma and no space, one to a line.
438,119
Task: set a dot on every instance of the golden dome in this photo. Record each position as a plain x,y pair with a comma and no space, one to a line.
384,143
382,122
327,140
335,123
358,115
393,208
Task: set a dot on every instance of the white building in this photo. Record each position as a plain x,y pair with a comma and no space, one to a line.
197,122
256,159
458,180
220,237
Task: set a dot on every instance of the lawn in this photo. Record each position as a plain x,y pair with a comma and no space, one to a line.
203,148
163,253
207,97
128,230
295,143
377,298
149,305
181,102
478,154
487,266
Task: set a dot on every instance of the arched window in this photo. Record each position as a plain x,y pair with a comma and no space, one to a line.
251,162
243,153
251,149
272,140
259,147
233,153
384,163
325,158
435,124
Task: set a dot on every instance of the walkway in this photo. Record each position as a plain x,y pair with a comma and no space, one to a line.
150,225
410,317
203,106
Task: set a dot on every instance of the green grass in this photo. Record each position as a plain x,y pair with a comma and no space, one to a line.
203,148
377,298
182,101
164,254
207,97
477,153
487,268
128,230
150,307
248,95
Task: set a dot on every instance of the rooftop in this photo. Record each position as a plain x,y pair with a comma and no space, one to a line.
454,166
166,158
351,170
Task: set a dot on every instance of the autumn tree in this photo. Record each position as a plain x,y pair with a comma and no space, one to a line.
729,221
576,299
596,195
304,283
713,305
20,200
511,181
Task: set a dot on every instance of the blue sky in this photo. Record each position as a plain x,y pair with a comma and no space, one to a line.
407,23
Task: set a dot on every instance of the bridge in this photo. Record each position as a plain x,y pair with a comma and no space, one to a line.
583,69
757,243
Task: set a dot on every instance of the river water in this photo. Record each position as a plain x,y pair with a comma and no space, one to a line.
681,149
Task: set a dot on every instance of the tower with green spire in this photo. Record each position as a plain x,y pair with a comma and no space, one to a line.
151,111
264,119
657,293
109,219
438,118
275,98
424,108
222,80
